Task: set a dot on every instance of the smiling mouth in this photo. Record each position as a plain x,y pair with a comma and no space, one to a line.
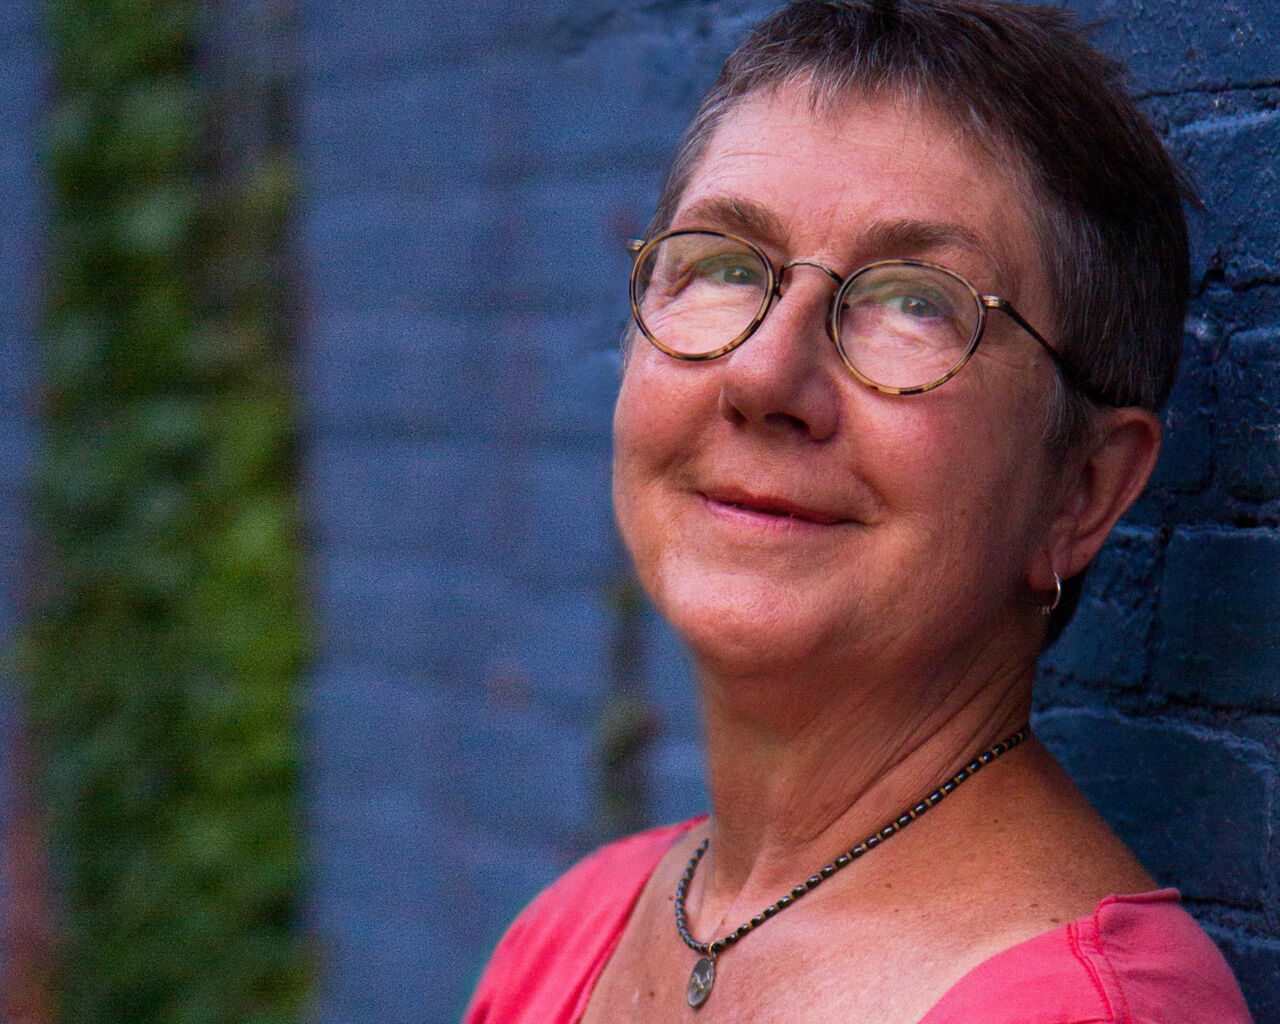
775,508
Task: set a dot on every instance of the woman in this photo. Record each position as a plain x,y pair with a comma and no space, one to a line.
911,298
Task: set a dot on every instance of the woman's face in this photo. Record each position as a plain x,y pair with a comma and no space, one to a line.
777,509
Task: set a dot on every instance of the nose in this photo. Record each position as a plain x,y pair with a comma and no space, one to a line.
785,378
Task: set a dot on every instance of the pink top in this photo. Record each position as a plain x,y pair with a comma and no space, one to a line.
1136,960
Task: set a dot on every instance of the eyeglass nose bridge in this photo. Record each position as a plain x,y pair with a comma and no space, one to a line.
781,273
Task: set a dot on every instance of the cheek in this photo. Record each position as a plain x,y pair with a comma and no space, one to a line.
646,442
1007,490
634,431
661,409
970,473
626,432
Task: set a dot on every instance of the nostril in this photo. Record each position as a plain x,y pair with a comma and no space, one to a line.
784,419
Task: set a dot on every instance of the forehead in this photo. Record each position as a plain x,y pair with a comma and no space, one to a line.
836,181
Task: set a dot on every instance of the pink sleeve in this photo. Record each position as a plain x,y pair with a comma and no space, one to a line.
1156,965
544,968
1137,960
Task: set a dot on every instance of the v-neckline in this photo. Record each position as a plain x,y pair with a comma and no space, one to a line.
683,828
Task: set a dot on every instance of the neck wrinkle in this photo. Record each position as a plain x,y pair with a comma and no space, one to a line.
773,827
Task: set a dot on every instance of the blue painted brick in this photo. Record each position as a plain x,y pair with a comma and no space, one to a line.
1219,636
559,249
1105,643
1256,962
347,41
562,372
430,615
18,356
376,732
19,29
677,779
369,856
384,893
380,370
391,249
1248,432
20,235
605,107
19,81
1186,453
343,41
1159,783
495,875
695,39
1235,310
385,969
554,647
17,452
555,515
406,495
434,120
527,769
1236,162
1272,742
1182,44
671,685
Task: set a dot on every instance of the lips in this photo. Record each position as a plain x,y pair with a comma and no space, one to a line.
769,505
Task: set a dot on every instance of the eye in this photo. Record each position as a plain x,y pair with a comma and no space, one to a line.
917,306
914,294
734,271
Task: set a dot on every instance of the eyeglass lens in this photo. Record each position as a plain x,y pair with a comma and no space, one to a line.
900,325
698,293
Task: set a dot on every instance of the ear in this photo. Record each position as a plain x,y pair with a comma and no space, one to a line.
1101,483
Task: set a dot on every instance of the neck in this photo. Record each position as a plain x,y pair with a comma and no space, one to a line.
804,767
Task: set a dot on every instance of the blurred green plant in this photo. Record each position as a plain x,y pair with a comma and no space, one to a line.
167,625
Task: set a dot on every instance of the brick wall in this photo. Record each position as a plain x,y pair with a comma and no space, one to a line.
19,246
471,173
1163,699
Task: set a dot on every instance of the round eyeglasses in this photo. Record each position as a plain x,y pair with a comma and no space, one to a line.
901,326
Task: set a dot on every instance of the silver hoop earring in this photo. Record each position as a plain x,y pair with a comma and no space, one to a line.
1049,609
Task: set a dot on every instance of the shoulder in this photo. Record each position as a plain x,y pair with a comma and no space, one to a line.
1139,959
595,891
543,966
1156,963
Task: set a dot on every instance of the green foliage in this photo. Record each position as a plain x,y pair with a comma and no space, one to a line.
167,632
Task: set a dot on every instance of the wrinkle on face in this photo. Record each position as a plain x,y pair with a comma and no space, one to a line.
944,491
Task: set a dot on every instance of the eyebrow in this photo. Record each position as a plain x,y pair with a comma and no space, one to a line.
903,237
737,215
906,237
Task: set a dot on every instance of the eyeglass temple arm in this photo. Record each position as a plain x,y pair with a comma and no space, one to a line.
995,302
634,245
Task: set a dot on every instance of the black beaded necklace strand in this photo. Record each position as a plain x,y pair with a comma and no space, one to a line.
703,975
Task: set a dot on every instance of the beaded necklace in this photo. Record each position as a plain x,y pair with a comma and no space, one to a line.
703,976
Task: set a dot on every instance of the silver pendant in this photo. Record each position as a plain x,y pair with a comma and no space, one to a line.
701,978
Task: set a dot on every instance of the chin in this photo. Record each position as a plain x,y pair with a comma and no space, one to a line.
732,626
